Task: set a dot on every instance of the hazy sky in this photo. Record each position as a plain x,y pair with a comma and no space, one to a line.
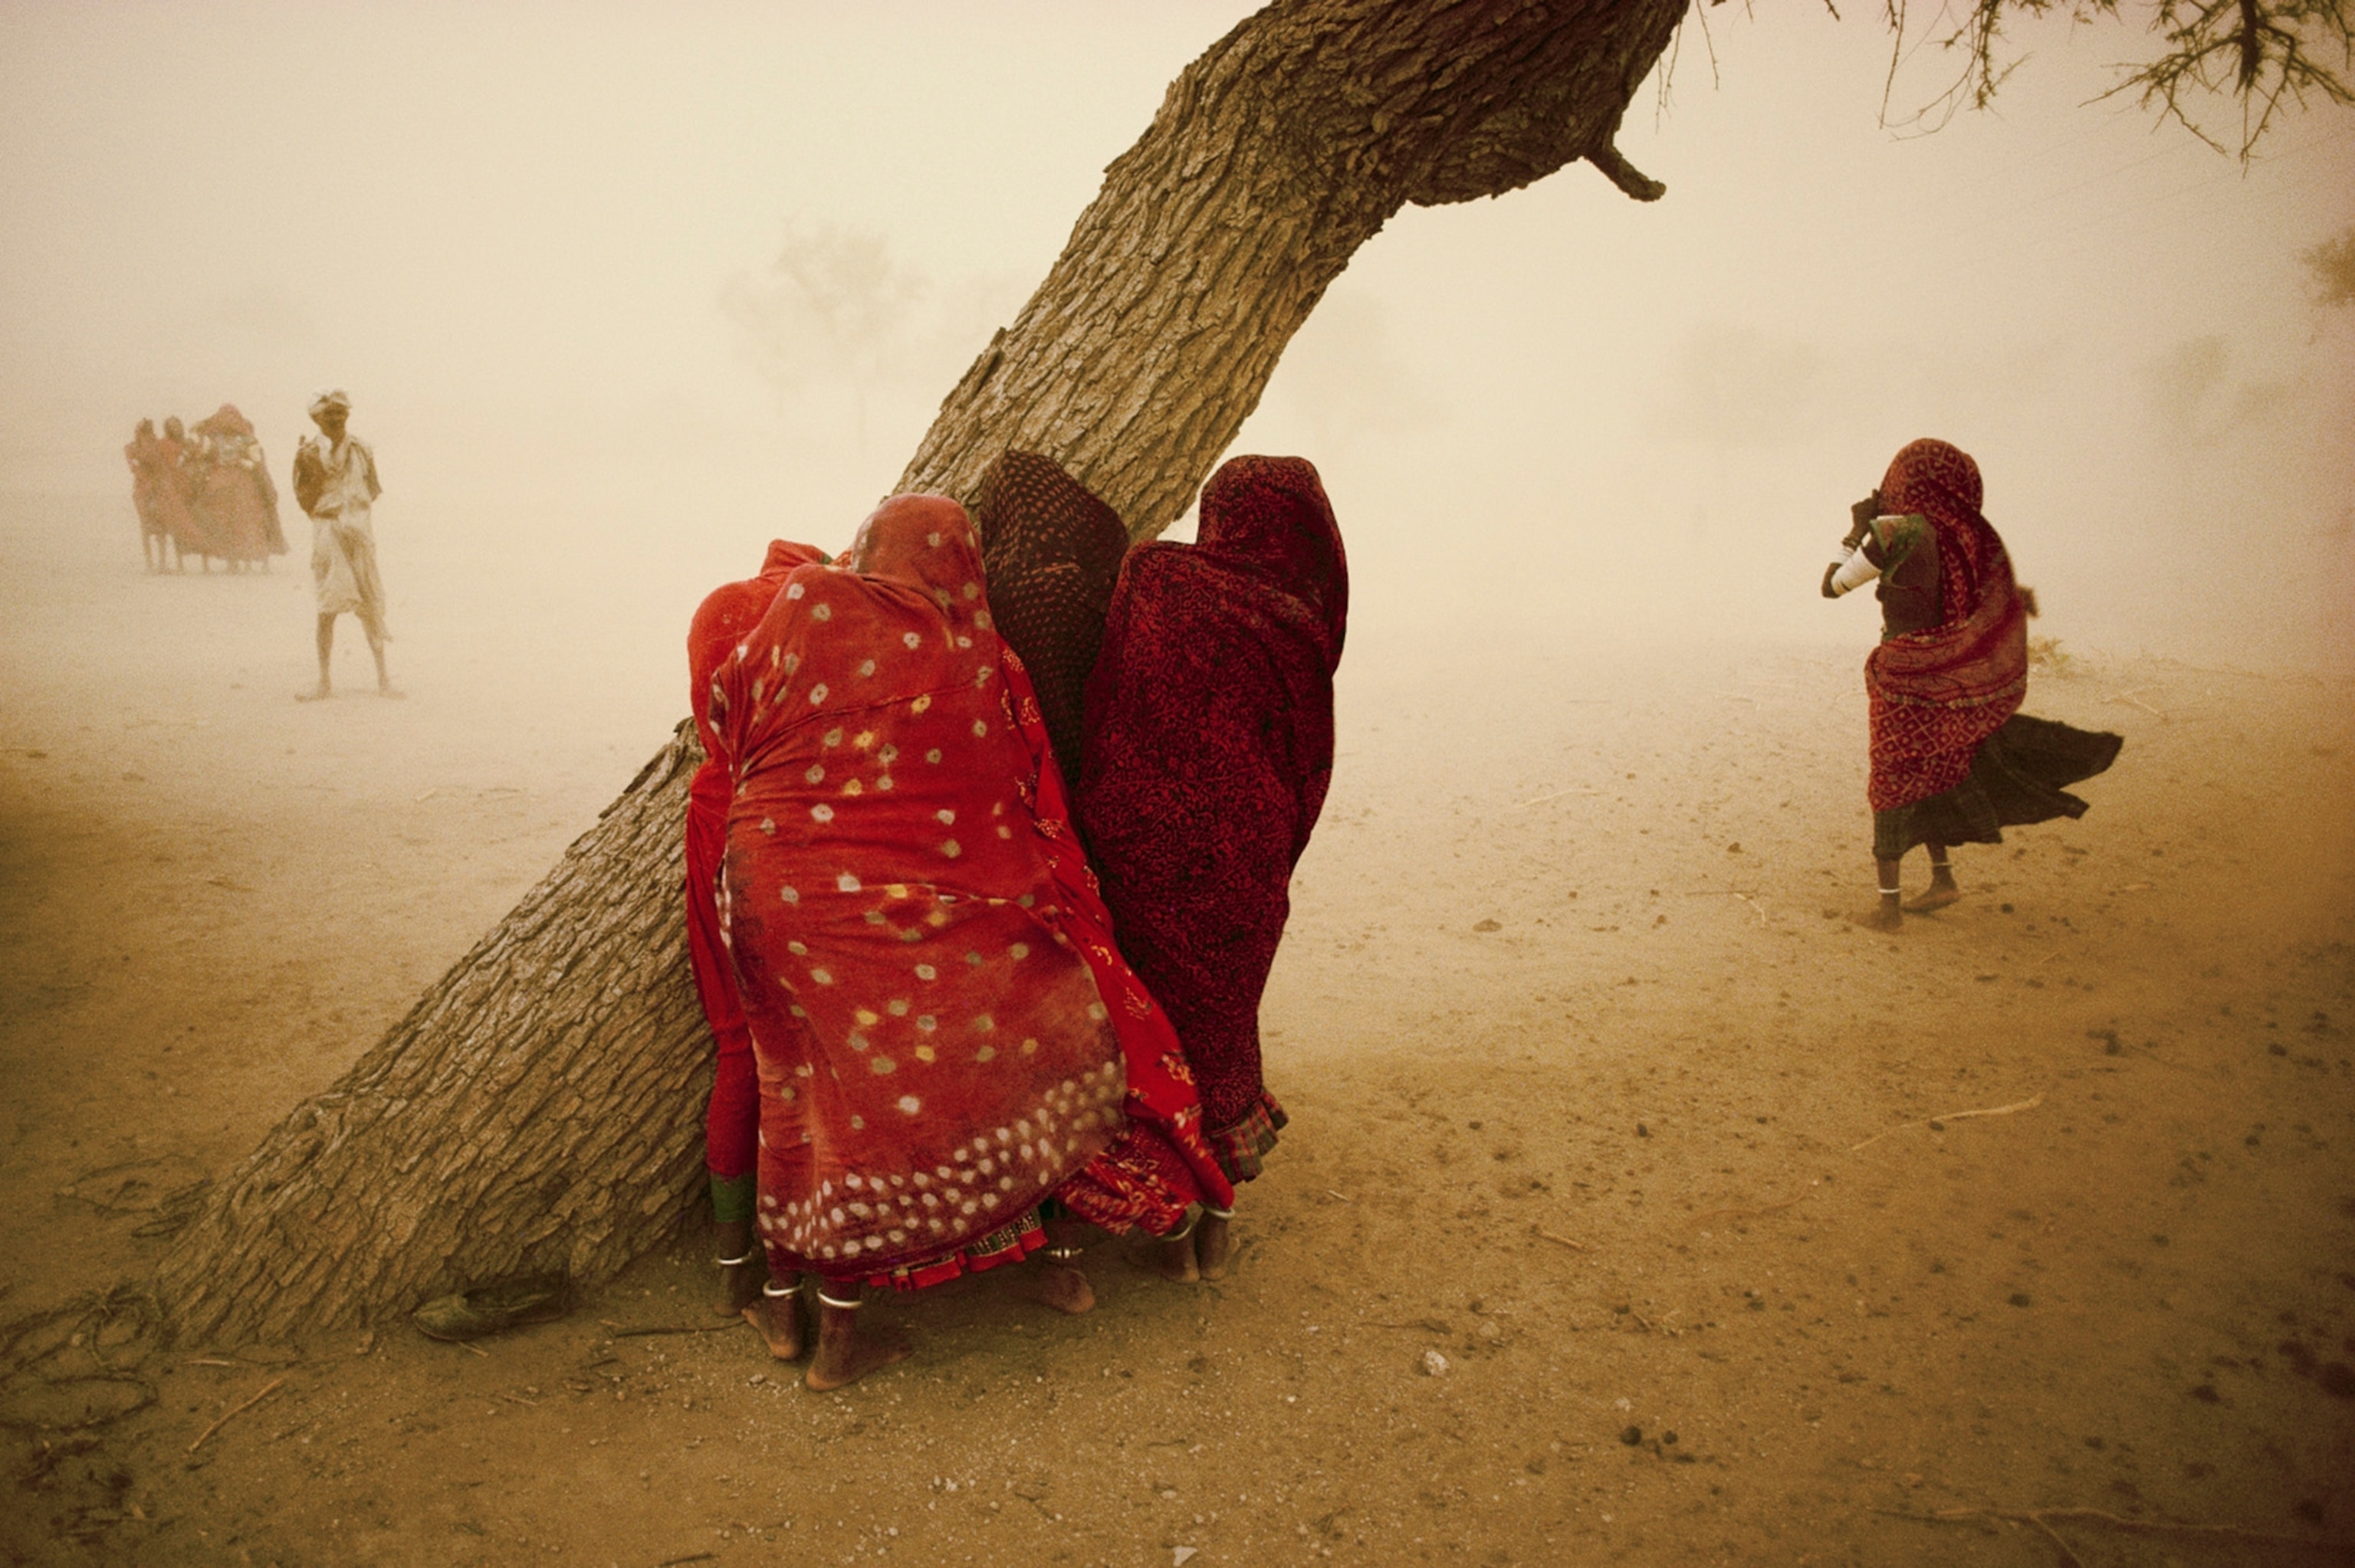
537,243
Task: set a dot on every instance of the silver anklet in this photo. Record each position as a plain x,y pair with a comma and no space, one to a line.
769,1289
750,1254
1193,1218
1891,891
1062,1254
825,1300
1218,1213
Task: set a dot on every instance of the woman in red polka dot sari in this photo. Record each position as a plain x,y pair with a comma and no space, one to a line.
944,1033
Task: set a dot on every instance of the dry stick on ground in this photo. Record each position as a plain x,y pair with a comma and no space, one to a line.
2042,1518
267,1390
1777,1207
2028,1103
1566,1241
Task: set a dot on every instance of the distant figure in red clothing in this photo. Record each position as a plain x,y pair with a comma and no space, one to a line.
1209,747
230,491
145,454
1953,760
732,1121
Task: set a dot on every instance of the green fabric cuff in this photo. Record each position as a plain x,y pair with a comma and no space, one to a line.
732,1198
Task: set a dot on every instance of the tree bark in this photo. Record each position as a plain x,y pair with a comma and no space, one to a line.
540,1106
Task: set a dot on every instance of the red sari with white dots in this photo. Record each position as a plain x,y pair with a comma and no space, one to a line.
944,1033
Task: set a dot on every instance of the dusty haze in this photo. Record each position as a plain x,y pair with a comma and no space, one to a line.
1595,1095
535,243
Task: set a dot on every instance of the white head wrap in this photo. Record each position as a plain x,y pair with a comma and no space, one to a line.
336,398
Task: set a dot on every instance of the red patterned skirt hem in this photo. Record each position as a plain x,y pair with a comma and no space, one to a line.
1008,1244
1241,1145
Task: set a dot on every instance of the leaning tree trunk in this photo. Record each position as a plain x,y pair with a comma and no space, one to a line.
540,1107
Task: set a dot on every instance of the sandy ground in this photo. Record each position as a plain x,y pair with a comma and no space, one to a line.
1742,1236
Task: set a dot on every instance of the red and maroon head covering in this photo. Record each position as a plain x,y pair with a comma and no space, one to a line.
1936,694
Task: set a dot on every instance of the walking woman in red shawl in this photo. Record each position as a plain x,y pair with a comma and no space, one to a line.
1954,761
732,1119
944,1033
1209,747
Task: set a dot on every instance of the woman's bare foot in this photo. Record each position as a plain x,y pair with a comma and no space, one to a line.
1066,1289
740,1286
842,1355
1884,915
314,693
1213,1245
779,1319
1941,891
1173,1260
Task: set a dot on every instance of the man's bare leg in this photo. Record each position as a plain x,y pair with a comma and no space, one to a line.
741,1268
1887,915
842,1356
1942,890
1213,1242
776,1311
376,647
326,653
1173,1255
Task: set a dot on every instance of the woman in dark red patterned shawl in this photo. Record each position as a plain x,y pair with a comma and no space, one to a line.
1052,550
1209,747
732,1118
1953,759
944,1032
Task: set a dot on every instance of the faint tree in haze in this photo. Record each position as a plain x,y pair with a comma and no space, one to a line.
832,306
539,1107
2332,263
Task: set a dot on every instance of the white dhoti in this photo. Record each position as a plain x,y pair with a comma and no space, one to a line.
343,566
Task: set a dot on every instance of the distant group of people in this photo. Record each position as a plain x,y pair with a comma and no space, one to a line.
986,871
204,491
207,491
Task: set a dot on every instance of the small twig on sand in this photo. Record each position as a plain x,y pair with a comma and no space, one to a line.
1564,1241
690,1557
1343,1196
1755,908
1557,795
478,1349
620,1333
2042,1518
268,1389
2133,702
2028,1103
1772,1208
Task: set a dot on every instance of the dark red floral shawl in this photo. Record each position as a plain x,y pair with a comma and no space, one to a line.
1935,696
1208,748
944,1033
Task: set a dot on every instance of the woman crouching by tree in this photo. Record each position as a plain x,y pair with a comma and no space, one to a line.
944,1033
1954,761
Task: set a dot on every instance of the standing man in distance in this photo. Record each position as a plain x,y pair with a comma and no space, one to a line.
336,483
